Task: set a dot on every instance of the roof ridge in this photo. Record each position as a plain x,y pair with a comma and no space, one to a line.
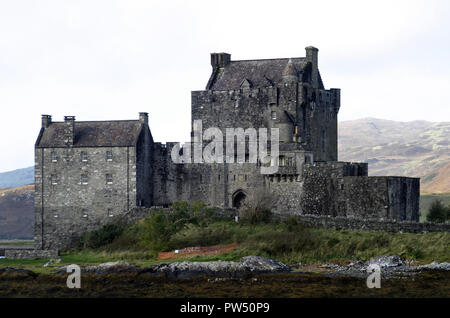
98,121
272,59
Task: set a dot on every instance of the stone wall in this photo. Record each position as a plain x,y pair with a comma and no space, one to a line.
301,112
24,253
344,189
67,204
390,226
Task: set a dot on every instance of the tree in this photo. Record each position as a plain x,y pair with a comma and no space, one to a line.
438,212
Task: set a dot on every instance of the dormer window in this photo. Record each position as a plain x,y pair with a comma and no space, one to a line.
84,156
109,155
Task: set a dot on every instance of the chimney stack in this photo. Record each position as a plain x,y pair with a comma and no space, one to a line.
143,118
69,130
220,59
312,57
46,121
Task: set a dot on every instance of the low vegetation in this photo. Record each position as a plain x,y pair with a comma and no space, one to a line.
284,240
438,212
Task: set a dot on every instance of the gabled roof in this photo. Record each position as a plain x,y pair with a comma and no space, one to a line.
261,73
121,133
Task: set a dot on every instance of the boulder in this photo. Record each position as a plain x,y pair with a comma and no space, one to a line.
385,261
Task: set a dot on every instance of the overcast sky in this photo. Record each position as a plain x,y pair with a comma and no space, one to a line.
102,60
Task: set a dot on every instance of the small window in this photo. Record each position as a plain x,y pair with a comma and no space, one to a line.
109,178
54,156
218,177
54,179
109,156
274,115
282,161
342,186
55,214
84,213
84,179
84,156
110,213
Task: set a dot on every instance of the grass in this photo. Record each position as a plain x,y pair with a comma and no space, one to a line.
288,243
16,243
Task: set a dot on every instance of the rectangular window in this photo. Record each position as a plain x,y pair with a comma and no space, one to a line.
84,213
54,179
54,156
110,213
84,156
274,115
55,213
109,178
282,161
84,179
109,156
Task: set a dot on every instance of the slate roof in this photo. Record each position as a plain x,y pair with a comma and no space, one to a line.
121,133
260,73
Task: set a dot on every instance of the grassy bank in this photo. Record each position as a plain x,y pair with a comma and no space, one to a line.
285,241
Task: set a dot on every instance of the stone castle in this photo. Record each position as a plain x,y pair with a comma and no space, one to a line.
89,171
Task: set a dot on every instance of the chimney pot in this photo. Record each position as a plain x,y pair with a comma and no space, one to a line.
46,121
143,118
69,130
220,59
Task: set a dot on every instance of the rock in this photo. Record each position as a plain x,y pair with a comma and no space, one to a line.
260,264
105,268
435,266
248,264
385,261
111,267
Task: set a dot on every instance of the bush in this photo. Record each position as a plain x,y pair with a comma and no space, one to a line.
103,236
438,212
259,209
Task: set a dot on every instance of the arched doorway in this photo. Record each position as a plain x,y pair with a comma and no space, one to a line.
239,199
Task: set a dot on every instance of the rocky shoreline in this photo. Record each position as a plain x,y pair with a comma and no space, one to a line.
390,266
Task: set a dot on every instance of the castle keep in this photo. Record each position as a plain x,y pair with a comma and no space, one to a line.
87,172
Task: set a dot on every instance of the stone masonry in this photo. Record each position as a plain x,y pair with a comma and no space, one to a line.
87,172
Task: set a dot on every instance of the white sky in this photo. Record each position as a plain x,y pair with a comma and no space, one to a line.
102,60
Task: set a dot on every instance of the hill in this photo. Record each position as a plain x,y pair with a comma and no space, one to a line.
17,212
415,149
17,178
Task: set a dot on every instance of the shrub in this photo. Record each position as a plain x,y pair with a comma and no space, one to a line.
259,209
103,236
438,212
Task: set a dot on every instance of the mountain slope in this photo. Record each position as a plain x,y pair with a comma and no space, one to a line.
17,178
17,213
415,149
